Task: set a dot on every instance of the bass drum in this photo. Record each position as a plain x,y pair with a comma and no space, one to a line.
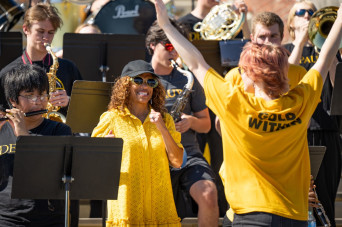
125,17
10,14
72,15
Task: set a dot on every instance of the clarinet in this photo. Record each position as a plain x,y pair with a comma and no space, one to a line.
179,105
28,114
322,216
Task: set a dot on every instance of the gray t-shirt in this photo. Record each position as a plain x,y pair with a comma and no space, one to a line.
174,84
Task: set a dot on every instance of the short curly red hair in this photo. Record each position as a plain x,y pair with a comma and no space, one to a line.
266,63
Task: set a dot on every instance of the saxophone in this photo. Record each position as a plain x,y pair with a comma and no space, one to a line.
179,105
52,113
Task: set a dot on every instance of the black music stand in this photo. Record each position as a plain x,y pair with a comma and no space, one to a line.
11,47
88,100
336,100
210,50
101,57
231,51
66,167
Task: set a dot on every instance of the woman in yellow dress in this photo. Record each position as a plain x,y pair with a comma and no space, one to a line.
136,114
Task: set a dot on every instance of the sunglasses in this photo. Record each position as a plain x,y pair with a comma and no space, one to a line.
301,12
153,83
169,47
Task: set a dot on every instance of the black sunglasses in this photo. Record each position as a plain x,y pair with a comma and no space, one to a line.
301,12
153,83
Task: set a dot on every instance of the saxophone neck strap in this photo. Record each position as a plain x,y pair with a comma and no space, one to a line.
46,62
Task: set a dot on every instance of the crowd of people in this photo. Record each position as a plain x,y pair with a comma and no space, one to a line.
257,121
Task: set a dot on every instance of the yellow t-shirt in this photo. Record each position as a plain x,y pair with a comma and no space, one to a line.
295,74
145,193
265,150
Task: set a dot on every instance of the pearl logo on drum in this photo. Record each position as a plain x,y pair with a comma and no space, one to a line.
123,13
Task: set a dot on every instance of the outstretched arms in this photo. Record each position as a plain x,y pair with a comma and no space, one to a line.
188,52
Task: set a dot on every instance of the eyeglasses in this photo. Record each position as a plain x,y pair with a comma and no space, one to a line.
153,83
301,12
33,98
169,47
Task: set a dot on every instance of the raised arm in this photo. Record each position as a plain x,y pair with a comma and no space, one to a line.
301,39
188,52
330,46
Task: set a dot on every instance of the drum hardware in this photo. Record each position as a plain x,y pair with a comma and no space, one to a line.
103,69
132,17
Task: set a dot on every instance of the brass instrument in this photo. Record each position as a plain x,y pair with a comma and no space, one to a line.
52,113
221,23
320,25
179,105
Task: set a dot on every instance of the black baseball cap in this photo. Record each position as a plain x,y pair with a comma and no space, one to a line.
137,67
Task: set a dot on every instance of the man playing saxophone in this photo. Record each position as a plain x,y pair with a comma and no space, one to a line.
40,24
195,181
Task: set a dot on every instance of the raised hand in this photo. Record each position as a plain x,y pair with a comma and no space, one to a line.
110,134
162,15
157,119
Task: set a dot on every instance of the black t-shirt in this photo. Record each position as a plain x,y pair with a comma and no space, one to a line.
189,21
67,73
174,84
26,212
321,119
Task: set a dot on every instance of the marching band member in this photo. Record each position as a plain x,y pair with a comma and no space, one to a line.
40,24
26,89
136,113
324,129
266,158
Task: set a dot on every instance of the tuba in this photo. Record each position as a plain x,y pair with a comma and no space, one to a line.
320,25
221,23
52,113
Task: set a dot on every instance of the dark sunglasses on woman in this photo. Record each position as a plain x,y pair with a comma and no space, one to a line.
153,83
301,12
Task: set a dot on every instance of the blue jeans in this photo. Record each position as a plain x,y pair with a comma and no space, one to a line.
255,219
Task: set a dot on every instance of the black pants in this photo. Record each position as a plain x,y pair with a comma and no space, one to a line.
329,173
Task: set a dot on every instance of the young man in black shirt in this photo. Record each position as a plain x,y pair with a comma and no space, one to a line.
26,90
40,24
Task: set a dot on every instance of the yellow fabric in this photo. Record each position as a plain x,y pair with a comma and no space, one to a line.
145,195
265,150
295,75
206,153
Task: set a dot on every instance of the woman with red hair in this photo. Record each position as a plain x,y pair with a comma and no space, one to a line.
264,125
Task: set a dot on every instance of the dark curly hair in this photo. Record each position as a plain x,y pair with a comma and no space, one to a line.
121,93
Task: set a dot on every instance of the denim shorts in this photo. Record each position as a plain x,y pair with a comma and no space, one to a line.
256,219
